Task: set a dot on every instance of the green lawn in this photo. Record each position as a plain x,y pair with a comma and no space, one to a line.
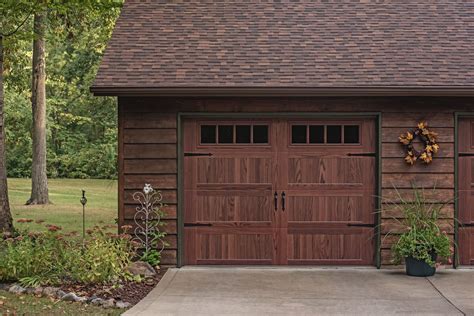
11,304
65,210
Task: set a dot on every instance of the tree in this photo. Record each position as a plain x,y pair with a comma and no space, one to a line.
39,178
10,12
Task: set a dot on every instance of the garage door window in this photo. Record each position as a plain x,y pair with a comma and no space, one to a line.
325,134
234,134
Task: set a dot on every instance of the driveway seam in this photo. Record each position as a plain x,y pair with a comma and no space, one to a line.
447,299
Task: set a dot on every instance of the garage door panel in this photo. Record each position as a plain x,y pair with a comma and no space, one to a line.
328,170
326,246
234,170
223,208
219,246
466,242
334,208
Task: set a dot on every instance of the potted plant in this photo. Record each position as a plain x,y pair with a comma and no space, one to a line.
423,242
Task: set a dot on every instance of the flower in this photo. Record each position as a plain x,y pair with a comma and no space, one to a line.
24,220
53,228
147,189
422,125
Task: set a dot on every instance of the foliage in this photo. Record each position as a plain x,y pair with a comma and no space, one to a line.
152,256
423,235
104,258
52,258
82,130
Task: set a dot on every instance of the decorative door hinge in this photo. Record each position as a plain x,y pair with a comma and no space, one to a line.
362,154
197,224
360,225
196,154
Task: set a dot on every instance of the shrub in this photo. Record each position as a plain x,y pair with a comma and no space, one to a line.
52,258
422,237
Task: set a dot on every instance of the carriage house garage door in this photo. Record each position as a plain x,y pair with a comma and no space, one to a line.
279,191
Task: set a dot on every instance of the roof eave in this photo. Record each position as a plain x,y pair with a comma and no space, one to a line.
454,91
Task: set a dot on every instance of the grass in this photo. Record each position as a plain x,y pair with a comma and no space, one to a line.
11,304
66,209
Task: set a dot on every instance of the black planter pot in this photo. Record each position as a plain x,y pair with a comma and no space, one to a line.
419,268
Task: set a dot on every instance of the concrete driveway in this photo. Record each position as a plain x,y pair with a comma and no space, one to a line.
308,291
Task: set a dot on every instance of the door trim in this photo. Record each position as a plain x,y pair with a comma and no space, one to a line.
377,116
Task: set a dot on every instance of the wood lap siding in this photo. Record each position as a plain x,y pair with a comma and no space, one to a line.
149,155
148,147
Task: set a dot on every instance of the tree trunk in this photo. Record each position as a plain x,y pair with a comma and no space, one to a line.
6,224
39,191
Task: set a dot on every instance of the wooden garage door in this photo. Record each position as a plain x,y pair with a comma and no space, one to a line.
466,191
279,191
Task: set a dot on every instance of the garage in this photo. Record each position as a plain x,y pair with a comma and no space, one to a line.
279,191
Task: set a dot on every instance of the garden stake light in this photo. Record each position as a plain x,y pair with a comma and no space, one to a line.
83,202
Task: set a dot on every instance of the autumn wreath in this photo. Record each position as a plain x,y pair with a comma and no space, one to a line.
428,139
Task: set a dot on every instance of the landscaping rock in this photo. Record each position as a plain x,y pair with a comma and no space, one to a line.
60,294
141,268
69,297
16,289
50,291
5,286
121,304
97,301
81,299
30,290
90,299
108,303
38,291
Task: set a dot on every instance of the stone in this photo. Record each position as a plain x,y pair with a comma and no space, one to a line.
108,303
121,304
141,268
69,297
81,299
97,301
38,291
60,294
5,286
16,289
30,290
50,291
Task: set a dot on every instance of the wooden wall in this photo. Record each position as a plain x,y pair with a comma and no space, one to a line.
148,148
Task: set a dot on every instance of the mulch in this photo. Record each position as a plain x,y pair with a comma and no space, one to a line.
127,291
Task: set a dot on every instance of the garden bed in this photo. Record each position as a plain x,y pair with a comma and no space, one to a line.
128,291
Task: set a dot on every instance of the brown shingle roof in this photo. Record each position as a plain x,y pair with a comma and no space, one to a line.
297,44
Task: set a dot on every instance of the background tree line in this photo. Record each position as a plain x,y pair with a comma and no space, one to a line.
76,131
81,129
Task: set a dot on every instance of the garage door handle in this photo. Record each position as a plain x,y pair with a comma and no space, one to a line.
283,198
275,200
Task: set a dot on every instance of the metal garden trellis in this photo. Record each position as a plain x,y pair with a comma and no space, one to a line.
148,218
